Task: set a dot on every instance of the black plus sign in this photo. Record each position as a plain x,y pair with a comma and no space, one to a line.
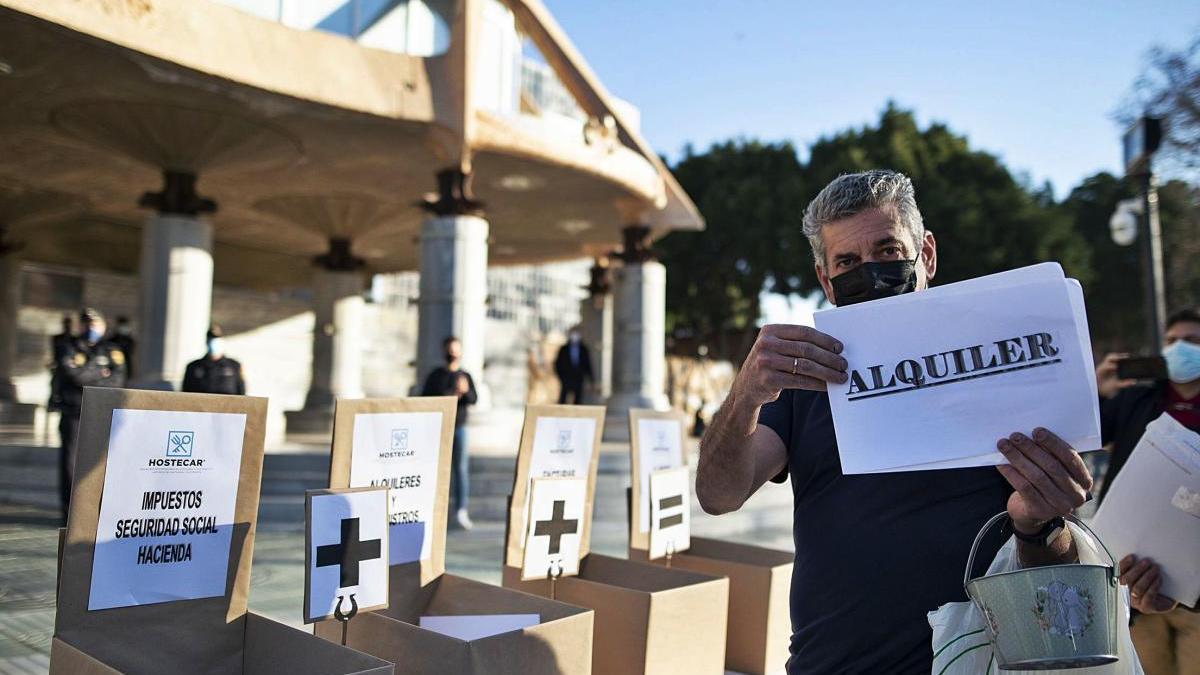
348,553
556,527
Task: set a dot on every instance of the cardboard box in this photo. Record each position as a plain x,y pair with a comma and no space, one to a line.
759,583
760,626
201,635
269,647
649,619
560,643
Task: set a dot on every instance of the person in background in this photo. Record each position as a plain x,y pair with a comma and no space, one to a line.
1167,636
91,359
59,345
214,373
573,366
123,336
452,380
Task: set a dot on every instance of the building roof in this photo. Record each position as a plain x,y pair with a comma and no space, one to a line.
299,136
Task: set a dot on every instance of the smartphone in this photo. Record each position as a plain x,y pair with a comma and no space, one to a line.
1142,368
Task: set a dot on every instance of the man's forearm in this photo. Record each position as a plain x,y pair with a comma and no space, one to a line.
725,471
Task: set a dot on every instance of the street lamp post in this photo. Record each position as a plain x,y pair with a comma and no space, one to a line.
1140,142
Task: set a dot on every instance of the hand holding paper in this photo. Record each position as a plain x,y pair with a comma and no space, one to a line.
1144,579
1049,477
789,357
936,376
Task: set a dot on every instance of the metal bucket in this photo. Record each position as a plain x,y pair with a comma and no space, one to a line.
1052,617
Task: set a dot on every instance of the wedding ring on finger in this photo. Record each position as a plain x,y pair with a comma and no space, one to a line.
795,364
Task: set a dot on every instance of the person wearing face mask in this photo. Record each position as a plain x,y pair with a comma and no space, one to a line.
573,366
123,336
876,552
452,380
214,373
1167,636
91,359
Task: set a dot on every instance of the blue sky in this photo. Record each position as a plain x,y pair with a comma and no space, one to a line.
1033,82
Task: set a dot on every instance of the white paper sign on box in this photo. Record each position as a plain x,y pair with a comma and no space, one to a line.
400,451
561,448
937,377
556,527
347,541
166,516
1152,509
670,512
660,447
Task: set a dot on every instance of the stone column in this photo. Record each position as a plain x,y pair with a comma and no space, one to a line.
453,283
596,330
11,410
176,282
639,343
337,346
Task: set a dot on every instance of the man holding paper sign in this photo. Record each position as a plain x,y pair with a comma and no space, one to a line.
874,552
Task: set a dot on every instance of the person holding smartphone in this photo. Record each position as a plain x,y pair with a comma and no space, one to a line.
1167,636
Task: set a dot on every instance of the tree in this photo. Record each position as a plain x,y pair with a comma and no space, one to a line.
753,196
1115,295
1169,88
983,219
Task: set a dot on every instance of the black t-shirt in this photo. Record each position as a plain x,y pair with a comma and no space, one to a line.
214,376
443,382
875,552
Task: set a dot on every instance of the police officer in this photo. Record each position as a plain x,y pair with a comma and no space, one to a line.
215,373
90,359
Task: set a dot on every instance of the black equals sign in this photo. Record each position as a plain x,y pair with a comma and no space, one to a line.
670,503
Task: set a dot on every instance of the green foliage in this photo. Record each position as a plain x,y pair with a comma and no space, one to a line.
1115,292
753,196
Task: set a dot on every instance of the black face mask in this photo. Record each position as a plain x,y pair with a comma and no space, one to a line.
874,280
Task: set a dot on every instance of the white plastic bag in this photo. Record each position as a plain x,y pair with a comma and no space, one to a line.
960,643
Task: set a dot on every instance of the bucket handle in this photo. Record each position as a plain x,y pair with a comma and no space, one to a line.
1004,515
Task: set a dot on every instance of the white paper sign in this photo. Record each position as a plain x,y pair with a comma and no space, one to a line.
478,626
166,513
347,552
400,451
670,512
556,527
937,377
659,447
561,448
1152,509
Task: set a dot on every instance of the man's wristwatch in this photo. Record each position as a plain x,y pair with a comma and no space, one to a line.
1044,536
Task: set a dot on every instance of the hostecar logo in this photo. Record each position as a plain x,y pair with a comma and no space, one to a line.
397,445
564,441
180,446
957,365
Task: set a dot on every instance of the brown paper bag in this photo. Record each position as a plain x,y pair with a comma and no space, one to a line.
637,455
204,635
561,643
519,504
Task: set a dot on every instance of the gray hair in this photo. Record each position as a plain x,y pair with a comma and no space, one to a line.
853,193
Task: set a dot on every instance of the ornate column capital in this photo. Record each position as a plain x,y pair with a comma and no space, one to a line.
454,195
178,196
